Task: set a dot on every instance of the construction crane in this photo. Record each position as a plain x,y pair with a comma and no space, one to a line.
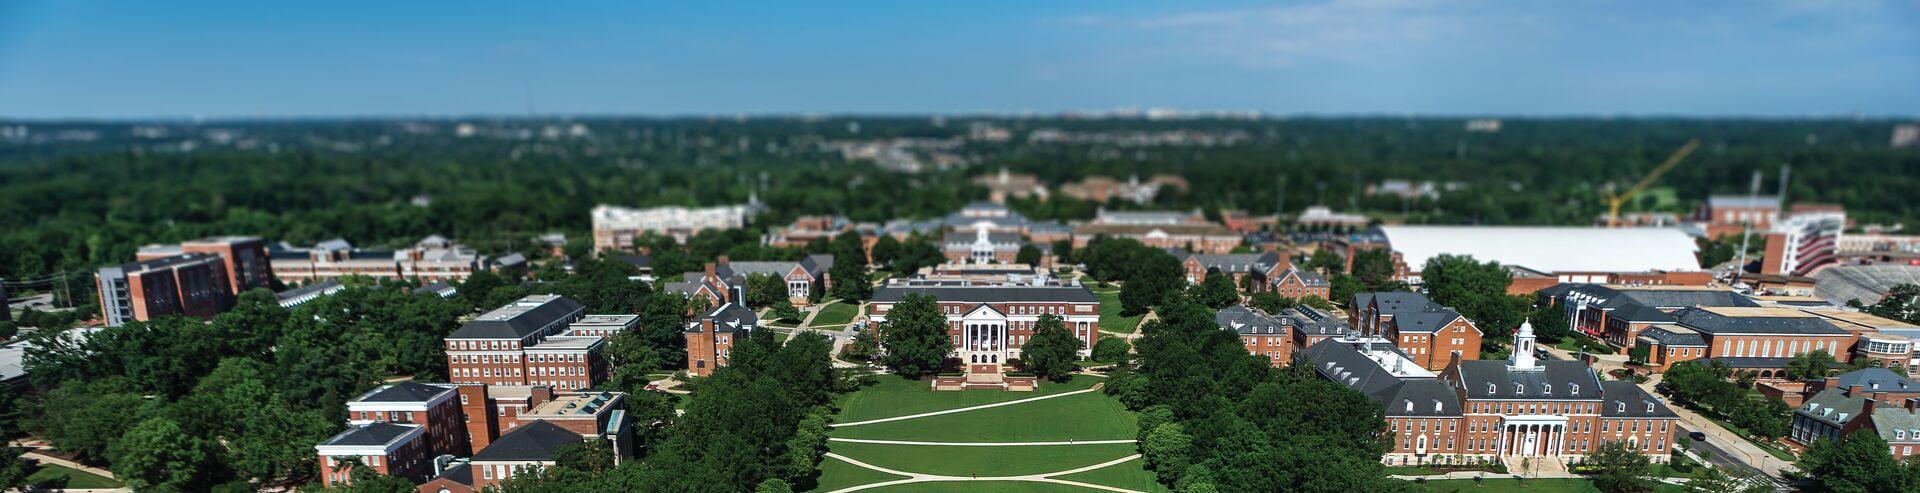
1615,200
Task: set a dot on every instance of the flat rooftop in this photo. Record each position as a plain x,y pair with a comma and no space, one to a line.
1757,312
565,343
575,405
607,320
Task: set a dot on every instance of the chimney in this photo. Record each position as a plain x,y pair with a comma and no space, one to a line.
710,268
722,260
1866,408
1913,404
738,293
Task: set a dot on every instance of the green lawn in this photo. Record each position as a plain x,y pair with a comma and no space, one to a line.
979,487
1131,475
981,461
1110,319
75,479
1088,416
894,396
835,313
836,474
1510,485
1091,416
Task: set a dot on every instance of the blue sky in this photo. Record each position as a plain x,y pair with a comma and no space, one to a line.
344,58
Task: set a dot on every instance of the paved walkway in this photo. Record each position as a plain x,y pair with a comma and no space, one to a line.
914,477
1094,388
981,444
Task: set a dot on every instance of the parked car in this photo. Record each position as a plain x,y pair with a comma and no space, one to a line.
1697,436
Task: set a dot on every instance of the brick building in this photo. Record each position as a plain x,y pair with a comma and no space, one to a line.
390,449
492,410
990,321
1432,335
725,281
189,284
1873,399
246,259
1618,313
433,408
1262,268
525,449
1204,237
1302,283
1762,340
1264,335
431,259
1495,411
1729,215
520,344
711,336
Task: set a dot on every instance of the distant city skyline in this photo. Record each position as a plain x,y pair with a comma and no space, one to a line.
1777,58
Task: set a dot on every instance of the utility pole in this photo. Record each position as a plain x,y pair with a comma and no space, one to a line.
1753,195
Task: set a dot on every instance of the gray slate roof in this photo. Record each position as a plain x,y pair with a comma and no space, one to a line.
1560,375
403,392
1877,379
1338,361
1833,407
520,325
990,294
1248,321
370,434
1886,419
1411,311
1714,323
729,318
1635,399
536,441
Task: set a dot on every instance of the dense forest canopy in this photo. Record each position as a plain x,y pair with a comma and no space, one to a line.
75,196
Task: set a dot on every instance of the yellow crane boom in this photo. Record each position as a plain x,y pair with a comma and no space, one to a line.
1614,201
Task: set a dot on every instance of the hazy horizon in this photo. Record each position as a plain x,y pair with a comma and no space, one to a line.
1792,59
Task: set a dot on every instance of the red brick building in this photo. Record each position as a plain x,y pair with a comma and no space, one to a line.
389,449
434,408
981,246
1432,335
1495,411
1261,268
520,344
1204,237
989,322
1729,215
191,284
245,257
710,338
1301,283
1874,399
725,281
1618,313
525,449
1263,334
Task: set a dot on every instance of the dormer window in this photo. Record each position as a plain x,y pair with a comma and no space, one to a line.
1575,389
1649,406
1623,406
1492,389
1519,389
1436,405
1549,388
1409,405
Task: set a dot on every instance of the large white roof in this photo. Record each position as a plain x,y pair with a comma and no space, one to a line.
1550,249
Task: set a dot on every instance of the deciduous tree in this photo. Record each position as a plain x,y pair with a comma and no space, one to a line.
1051,351
915,336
